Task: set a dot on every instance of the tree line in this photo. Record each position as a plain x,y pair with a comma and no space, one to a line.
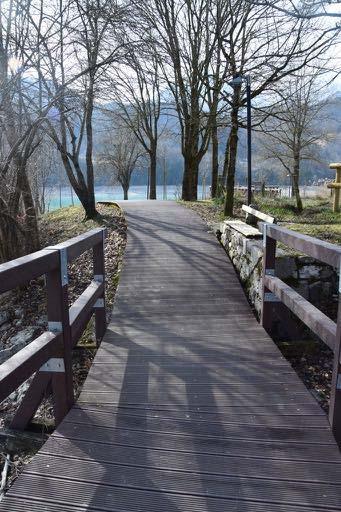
63,60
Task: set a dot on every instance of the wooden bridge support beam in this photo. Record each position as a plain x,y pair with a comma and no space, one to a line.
270,302
99,276
58,321
39,389
335,395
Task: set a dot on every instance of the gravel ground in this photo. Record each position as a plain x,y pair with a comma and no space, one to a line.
24,311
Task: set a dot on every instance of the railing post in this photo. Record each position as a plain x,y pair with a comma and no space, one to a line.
335,394
60,367
99,275
268,298
38,390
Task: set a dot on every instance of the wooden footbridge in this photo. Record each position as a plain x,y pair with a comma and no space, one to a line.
189,405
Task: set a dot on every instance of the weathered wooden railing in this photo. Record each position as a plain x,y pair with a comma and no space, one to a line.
276,293
49,356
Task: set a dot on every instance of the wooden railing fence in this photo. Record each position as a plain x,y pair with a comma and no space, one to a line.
276,293
49,357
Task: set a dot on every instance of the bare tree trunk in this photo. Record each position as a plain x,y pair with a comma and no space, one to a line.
152,169
10,234
215,162
226,161
31,223
90,206
190,177
231,162
10,247
85,195
19,232
295,182
125,194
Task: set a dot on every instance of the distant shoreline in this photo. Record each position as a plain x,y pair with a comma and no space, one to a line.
139,192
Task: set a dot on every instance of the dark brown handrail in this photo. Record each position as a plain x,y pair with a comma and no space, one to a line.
318,249
276,293
50,355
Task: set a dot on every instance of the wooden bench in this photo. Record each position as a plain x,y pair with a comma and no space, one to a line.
253,213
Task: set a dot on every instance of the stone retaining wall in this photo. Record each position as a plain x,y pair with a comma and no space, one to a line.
314,280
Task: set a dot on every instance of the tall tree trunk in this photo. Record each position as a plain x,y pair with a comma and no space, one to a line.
226,162
190,177
31,222
190,152
125,193
77,182
152,172
232,153
295,182
19,234
215,162
10,234
231,167
90,208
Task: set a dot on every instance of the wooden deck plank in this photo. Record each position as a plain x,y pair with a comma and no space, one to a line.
162,488
189,405
181,503
287,418
175,460
251,449
189,427
195,483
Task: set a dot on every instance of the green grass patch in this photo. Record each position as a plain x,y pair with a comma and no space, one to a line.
328,232
68,222
315,210
317,218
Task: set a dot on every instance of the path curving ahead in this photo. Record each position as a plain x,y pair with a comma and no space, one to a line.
189,406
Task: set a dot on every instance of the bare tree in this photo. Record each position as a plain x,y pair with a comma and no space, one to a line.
70,66
305,9
43,168
294,132
184,36
19,138
137,101
267,46
216,79
121,155
51,58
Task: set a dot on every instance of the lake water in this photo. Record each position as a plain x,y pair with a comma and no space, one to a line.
56,197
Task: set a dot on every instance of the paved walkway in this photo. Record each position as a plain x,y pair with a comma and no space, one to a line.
189,406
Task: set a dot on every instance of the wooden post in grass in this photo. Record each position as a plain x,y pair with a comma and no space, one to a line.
336,186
